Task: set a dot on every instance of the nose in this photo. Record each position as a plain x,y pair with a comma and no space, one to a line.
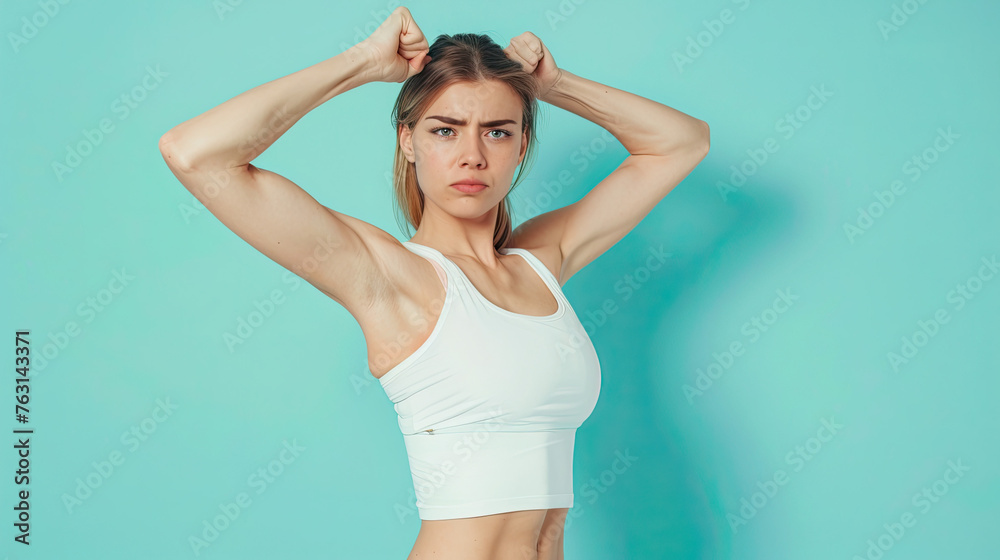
471,152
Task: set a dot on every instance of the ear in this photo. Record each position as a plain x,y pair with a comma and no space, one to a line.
406,142
524,146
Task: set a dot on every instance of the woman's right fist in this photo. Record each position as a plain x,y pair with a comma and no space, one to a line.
397,49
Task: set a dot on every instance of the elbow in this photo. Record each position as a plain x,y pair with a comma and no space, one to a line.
693,141
704,136
173,157
165,145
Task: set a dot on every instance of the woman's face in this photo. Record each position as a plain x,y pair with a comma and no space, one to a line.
471,131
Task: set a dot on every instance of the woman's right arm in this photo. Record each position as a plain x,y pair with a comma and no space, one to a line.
211,153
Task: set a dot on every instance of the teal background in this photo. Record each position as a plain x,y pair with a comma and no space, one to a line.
301,377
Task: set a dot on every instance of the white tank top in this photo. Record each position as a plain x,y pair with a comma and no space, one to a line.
489,404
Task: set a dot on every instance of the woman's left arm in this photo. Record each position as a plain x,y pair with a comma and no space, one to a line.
664,146
643,126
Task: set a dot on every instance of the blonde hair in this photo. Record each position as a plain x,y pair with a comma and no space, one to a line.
463,57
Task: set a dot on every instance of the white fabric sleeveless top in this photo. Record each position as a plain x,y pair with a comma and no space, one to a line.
490,403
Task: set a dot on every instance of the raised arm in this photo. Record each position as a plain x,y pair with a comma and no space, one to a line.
664,146
211,153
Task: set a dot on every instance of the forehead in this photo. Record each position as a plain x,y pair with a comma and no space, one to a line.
482,100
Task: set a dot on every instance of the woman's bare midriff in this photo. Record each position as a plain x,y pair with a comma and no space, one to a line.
518,535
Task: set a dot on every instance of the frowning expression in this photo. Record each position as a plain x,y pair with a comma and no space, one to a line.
470,133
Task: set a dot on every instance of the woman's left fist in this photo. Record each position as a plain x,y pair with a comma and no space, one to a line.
528,50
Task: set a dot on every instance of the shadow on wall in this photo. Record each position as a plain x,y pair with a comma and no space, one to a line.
655,496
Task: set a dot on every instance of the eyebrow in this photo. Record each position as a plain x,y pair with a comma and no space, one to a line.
459,122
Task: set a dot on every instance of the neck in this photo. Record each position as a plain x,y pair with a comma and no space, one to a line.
459,237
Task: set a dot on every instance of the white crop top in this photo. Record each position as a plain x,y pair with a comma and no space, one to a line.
490,403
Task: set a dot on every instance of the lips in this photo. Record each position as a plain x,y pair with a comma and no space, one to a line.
469,187
469,182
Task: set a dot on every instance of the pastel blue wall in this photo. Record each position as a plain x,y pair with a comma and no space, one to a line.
874,215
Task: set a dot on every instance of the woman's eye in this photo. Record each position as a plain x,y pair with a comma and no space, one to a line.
503,133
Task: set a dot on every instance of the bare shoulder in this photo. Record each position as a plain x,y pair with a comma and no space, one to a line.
543,245
549,255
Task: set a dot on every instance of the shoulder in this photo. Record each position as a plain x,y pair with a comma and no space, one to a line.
542,236
548,253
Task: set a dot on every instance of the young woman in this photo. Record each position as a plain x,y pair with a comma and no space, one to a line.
466,325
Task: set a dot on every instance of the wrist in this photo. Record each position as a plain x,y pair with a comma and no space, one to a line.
554,88
363,60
